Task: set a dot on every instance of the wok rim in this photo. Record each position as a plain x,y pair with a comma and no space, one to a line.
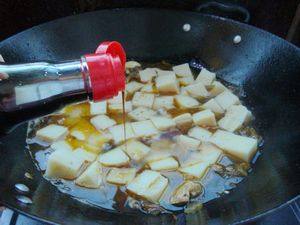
162,10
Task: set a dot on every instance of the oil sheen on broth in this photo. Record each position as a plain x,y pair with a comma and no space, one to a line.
220,176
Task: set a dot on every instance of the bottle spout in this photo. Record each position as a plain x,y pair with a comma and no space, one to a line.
104,71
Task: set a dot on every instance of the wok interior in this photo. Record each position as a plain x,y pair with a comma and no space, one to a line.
267,68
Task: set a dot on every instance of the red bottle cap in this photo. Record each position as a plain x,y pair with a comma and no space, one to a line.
106,70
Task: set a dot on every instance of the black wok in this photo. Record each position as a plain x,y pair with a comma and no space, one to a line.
266,66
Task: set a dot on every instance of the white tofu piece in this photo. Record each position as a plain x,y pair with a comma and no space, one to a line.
143,99
64,164
235,117
164,164
184,101
205,118
52,133
61,145
167,84
91,177
199,133
197,90
117,132
115,157
116,100
156,155
239,146
165,72
155,191
206,77
95,142
84,155
97,108
144,128
133,86
132,64
214,106
80,135
102,122
217,89
118,108
182,70
136,149
196,170
120,176
209,153
184,81
227,99
149,88
147,75
149,184
163,102
140,184
141,114
186,142
162,123
183,91
184,121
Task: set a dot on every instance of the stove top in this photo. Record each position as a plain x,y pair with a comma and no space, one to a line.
287,215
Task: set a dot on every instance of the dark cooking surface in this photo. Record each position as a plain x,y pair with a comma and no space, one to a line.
267,67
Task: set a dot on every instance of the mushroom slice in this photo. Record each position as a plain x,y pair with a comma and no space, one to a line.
184,192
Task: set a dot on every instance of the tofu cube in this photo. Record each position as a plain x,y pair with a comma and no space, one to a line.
199,133
197,90
132,64
164,72
155,155
183,91
136,149
214,106
118,108
102,122
141,99
115,157
149,88
52,133
185,81
144,128
209,153
149,184
235,117
164,164
205,118
184,122
227,99
155,191
239,146
61,145
118,134
147,75
163,102
84,155
196,170
182,70
133,86
206,77
97,108
141,113
120,176
217,88
167,84
116,99
184,101
64,164
91,177
186,142
162,123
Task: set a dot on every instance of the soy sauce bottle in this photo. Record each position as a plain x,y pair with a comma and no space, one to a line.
35,89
